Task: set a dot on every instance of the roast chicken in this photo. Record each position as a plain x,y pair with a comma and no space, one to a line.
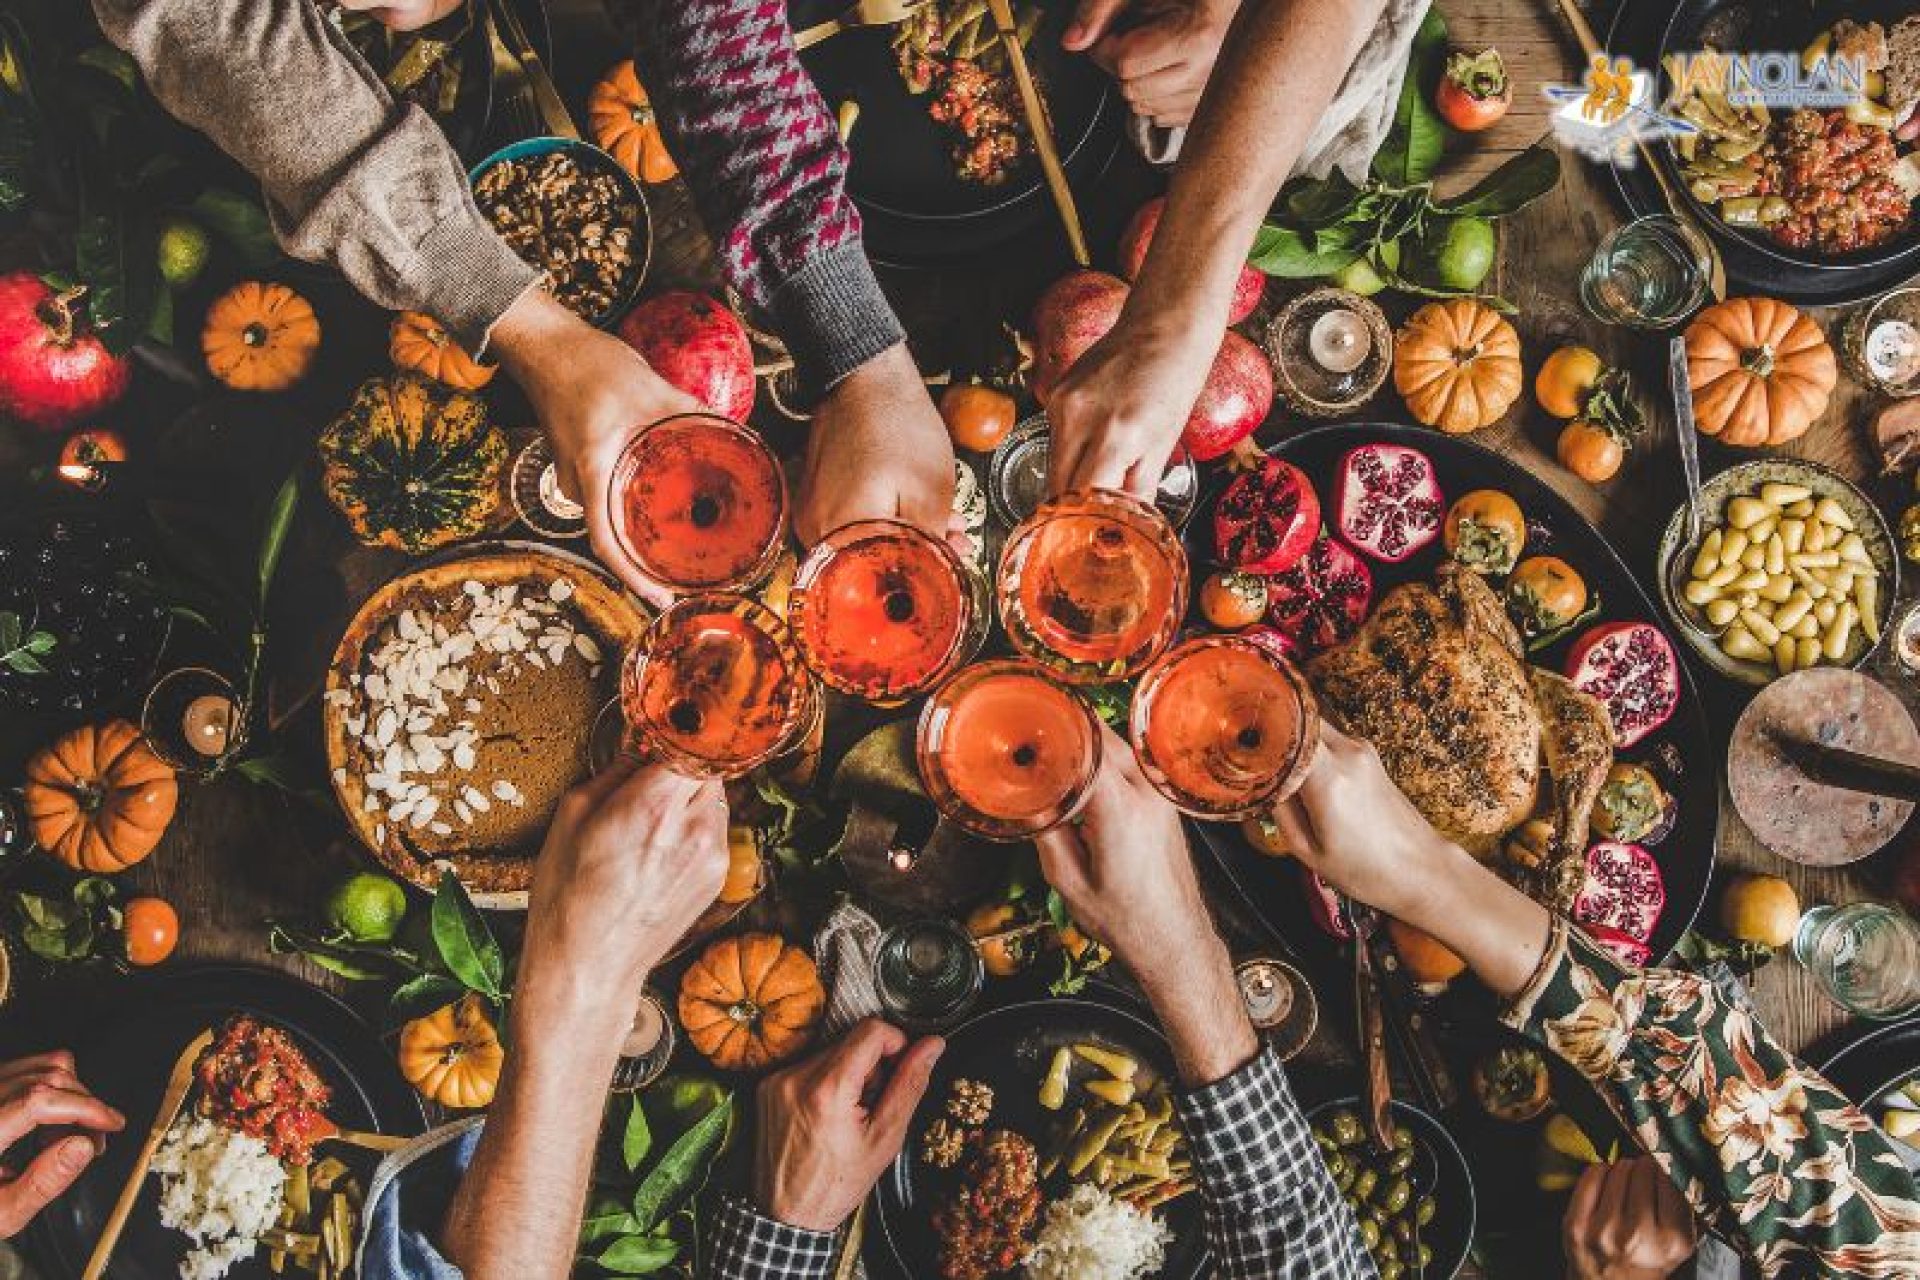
1437,679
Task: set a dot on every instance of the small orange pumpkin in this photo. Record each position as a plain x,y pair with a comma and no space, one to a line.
453,1055
421,344
751,1001
624,125
260,337
1761,371
1457,365
98,798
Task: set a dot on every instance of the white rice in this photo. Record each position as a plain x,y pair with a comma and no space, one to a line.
221,1188
1089,1235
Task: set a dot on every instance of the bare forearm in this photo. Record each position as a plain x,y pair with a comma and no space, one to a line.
1280,65
517,1213
1499,931
1194,996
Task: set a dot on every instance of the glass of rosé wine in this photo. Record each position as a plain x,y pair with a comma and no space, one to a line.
884,612
1223,726
716,687
1006,751
1092,586
699,503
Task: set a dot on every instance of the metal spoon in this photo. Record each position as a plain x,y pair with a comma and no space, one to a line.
1680,564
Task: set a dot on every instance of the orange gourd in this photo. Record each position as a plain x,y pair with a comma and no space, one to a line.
624,125
744,870
1761,371
98,798
453,1055
1457,365
419,343
751,1001
260,337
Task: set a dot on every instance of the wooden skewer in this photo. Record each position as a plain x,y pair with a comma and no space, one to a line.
171,1099
1042,131
1590,45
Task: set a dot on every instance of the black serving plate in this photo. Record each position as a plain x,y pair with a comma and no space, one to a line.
1870,1065
1646,30
127,1062
916,210
1273,889
1009,1049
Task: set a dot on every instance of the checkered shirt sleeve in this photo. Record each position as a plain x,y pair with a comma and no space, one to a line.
1272,1210
750,1246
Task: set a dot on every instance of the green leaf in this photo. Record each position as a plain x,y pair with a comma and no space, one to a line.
274,541
160,323
1320,202
9,632
1414,144
422,995
683,1165
637,1139
638,1255
350,961
280,772
41,643
1510,188
467,947
25,663
608,1220
240,223
1288,255
109,61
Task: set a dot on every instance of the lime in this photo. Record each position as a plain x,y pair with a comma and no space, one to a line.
1363,274
1455,253
675,1103
184,247
367,907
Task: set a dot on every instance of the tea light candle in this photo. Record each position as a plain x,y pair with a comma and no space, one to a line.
1267,993
649,1024
81,475
1339,341
901,859
1892,351
208,724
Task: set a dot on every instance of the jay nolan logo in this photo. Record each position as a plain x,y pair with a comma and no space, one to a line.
1617,106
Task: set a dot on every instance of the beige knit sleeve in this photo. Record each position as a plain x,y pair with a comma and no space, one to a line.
351,177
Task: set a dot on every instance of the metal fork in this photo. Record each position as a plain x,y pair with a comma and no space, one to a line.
548,108
863,13
512,89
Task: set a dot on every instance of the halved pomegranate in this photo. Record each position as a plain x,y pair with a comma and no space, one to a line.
1389,504
1322,600
1622,897
1630,667
1236,399
1267,518
1273,640
1617,944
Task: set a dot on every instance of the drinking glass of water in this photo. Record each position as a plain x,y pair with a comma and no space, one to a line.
1865,955
1650,274
928,974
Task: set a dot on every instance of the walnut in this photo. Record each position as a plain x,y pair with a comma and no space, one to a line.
970,1103
574,223
943,1144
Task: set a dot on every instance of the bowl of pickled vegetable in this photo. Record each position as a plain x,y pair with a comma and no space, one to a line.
1413,1197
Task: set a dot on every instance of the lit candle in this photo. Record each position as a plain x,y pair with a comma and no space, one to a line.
557,503
81,475
649,1024
901,859
1893,351
1339,341
208,724
1267,993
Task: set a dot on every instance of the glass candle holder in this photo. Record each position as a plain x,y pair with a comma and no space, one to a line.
883,612
716,687
1223,727
1093,586
1017,476
1881,343
1865,956
648,1046
1331,350
533,486
195,720
699,503
1006,752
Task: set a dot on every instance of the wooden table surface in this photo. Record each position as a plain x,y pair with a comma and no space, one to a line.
238,854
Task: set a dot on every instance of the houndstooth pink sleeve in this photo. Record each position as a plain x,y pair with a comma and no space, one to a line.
764,160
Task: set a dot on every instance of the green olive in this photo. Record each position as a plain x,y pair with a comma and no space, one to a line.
1369,1234
1346,1128
1324,1140
1336,1163
1423,1212
1394,1195
1364,1184
1400,1161
1425,1257
1403,1138
1391,1269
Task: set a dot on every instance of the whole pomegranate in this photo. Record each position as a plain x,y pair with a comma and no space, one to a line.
1236,399
53,372
698,346
1075,312
1133,251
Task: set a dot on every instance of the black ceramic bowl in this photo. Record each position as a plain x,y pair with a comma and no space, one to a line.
1438,1170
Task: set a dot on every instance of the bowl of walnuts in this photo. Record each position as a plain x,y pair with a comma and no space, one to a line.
569,209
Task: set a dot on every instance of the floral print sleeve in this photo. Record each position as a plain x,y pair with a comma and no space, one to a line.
1769,1154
